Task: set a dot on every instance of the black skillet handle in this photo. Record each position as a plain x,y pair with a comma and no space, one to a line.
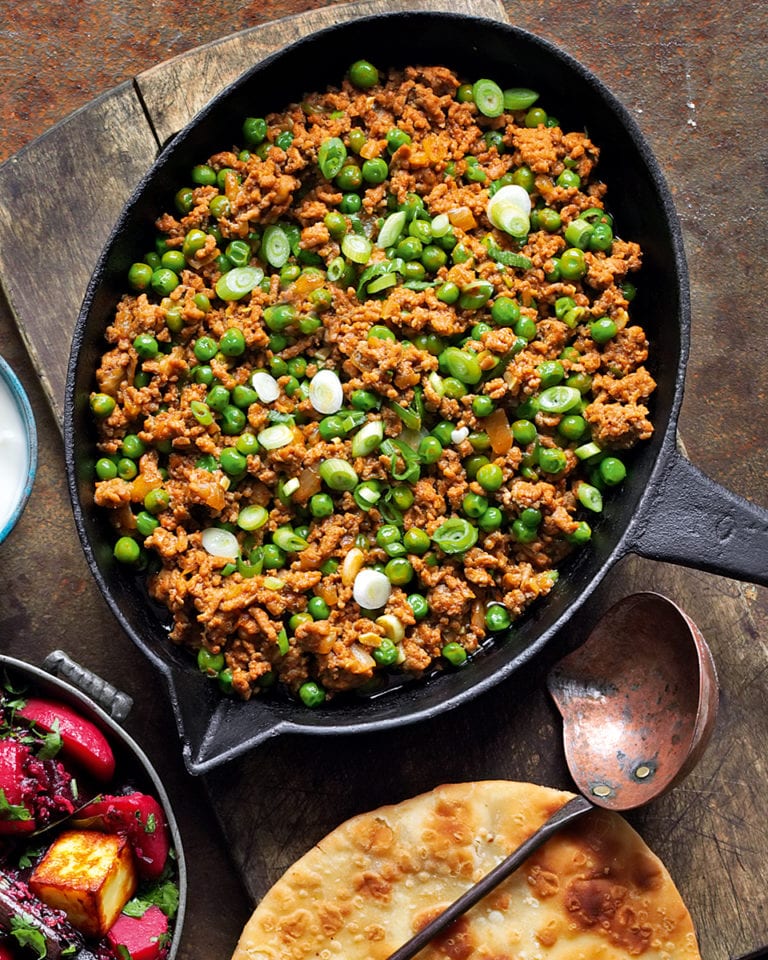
694,521
116,703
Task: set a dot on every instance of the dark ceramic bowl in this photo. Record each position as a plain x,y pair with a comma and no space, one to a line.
669,511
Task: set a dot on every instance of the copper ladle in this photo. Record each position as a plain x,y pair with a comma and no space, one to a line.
638,701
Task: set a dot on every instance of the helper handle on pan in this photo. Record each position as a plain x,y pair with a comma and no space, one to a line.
113,701
576,807
691,520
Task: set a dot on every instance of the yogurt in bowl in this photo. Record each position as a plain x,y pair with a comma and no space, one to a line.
18,449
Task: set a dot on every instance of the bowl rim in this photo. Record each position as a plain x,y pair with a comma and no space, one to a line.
24,407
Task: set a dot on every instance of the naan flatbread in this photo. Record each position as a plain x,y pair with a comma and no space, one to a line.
593,892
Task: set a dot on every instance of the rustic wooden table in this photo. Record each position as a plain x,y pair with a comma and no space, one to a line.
693,76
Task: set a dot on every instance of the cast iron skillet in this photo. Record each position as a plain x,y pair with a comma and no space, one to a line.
668,511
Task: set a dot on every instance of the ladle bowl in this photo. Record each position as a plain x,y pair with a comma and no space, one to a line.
639,702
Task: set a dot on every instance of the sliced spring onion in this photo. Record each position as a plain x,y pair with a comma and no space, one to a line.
411,418
391,229
509,209
325,392
367,494
291,486
275,246
436,382
252,517
289,541
508,257
371,589
356,248
368,438
266,386
455,535
201,412
279,435
383,282
331,157
488,97
559,399
519,98
338,474
461,364
441,225
273,583
590,497
220,543
235,283
392,626
587,450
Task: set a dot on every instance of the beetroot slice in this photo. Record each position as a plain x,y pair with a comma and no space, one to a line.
80,739
12,758
143,937
140,817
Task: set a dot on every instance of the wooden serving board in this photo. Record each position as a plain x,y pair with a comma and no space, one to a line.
276,802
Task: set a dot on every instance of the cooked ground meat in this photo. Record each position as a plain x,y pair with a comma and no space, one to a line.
351,420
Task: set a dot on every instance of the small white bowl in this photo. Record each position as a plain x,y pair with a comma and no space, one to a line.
18,449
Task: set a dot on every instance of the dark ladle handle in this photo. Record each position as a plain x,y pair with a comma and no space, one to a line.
694,521
576,807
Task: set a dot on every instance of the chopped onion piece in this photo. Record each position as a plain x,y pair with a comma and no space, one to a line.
279,435
371,589
220,543
325,392
460,434
265,386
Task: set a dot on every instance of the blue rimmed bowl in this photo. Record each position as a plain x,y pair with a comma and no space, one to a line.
18,449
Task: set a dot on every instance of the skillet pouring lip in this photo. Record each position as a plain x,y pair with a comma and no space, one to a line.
214,730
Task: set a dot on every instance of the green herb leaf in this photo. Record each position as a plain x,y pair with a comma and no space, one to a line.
12,811
27,935
51,743
164,895
508,257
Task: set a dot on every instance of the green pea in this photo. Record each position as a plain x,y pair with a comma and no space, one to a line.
375,170
219,206
132,446
490,520
490,477
416,541
350,177
284,139
232,461
126,550
433,258
106,469
243,396
409,248
126,468
232,420
202,302
480,440
205,349
254,130
321,505
156,500
203,374
448,292
430,450
388,533
402,497
524,178
102,404
479,329
482,406
505,312
336,224
297,366
140,276
552,459
573,266
232,343
218,398
386,653
572,427
419,605
582,533
364,400
569,179
551,373
396,138
399,571
278,316
454,653
332,427
494,138
535,117
146,524
318,608
443,432
203,175
363,75
350,203
549,220
473,504
580,381
603,330
523,533
311,694
612,471
380,332
473,464
453,388
273,557
184,199
475,294
497,618
526,328
164,281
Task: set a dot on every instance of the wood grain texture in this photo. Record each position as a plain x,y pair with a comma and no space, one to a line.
59,198
290,792
174,91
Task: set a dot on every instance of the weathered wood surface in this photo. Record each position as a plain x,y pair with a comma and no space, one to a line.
711,830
